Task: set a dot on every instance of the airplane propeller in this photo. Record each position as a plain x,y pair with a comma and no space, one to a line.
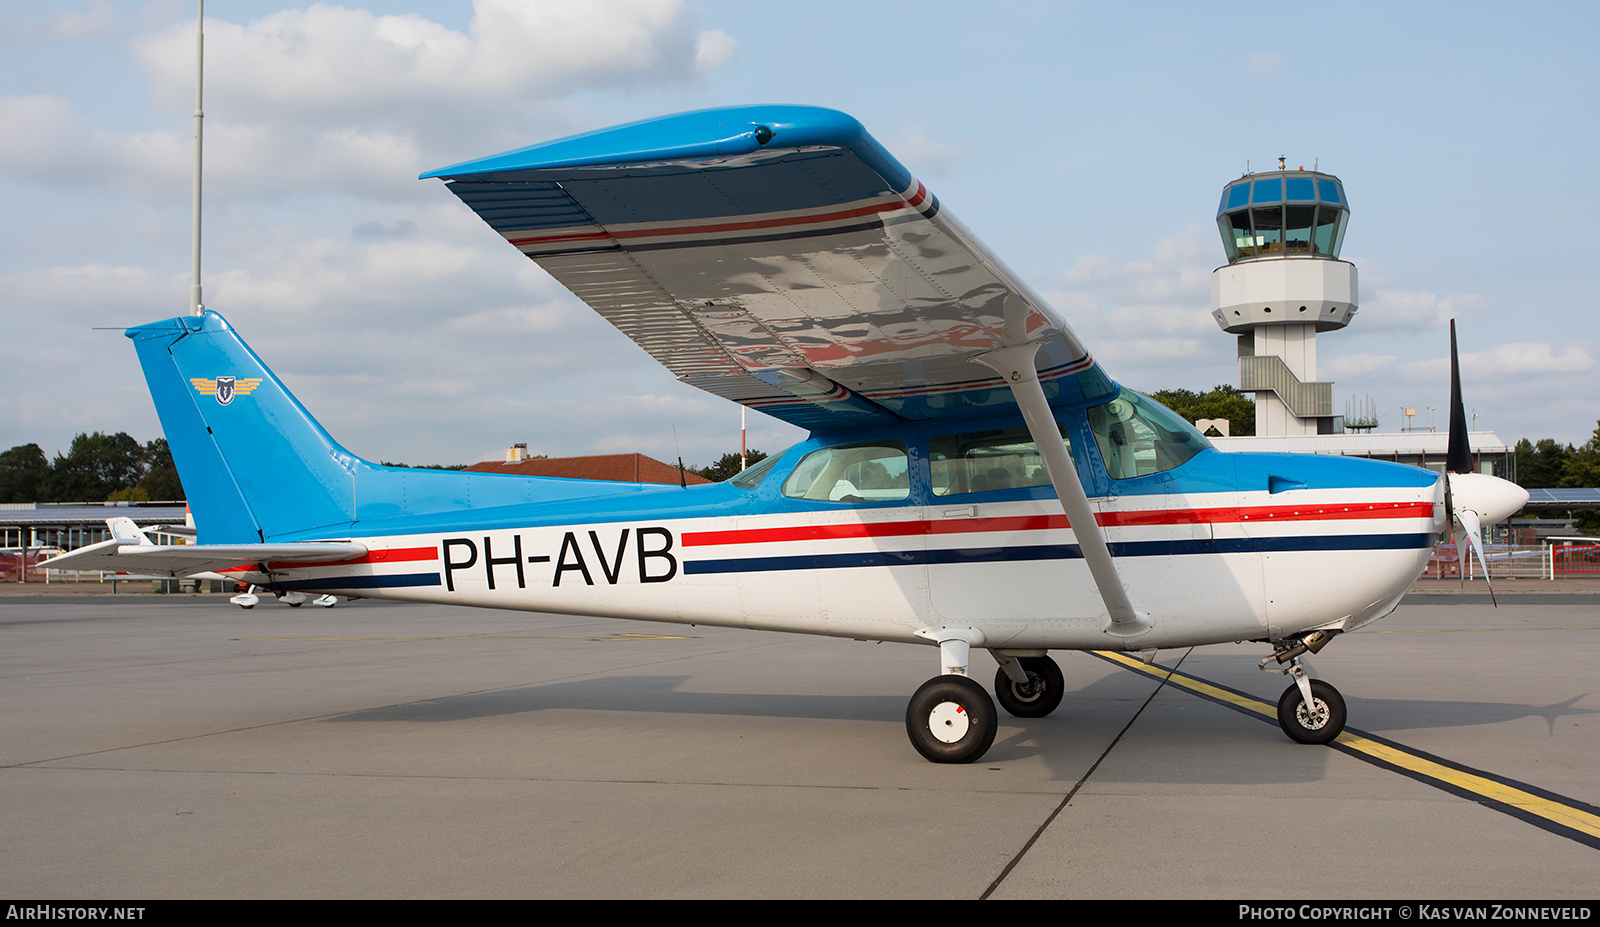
1473,499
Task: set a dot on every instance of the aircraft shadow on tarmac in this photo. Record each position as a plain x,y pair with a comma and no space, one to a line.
1184,739
1426,714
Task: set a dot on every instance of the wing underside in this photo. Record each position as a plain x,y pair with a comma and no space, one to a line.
123,556
778,257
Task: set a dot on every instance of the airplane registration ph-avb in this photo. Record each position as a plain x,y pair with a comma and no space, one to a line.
972,480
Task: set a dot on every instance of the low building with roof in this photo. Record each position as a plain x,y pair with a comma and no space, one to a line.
616,468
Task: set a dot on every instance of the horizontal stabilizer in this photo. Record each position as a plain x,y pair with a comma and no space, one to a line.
176,560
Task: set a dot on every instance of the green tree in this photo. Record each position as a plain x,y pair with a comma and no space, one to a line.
1223,401
160,481
1541,465
1581,470
727,466
23,470
94,467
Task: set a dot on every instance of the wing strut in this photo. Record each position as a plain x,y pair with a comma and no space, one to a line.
1015,366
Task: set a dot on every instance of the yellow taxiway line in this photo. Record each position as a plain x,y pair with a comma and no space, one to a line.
1557,813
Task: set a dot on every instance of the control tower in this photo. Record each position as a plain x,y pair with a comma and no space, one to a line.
1283,284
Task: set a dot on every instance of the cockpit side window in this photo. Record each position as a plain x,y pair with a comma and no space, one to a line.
877,472
1138,436
986,461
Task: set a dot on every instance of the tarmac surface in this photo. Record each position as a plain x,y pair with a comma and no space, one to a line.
178,747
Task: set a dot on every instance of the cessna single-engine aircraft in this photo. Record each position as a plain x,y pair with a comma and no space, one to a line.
972,479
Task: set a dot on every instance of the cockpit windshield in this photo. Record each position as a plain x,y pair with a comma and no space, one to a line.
1139,436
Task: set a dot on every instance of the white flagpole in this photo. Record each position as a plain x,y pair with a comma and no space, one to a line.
195,306
743,454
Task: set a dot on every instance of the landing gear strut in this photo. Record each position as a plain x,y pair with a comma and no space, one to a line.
1035,696
1315,721
951,719
1310,711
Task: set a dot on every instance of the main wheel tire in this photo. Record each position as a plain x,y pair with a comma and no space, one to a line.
1320,723
1041,696
951,719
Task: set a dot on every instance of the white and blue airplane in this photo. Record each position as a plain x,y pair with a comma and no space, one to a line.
972,480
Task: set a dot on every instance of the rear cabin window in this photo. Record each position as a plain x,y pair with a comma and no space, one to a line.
876,472
987,461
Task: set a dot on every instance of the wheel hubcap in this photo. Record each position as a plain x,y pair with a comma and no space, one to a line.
949,722
1028,691
1313,717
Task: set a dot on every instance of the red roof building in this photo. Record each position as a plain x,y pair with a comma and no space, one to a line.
619,468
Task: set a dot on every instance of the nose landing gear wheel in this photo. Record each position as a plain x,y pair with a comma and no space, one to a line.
1039,697
951,719
1317,723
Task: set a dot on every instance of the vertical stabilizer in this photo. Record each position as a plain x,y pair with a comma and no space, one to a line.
255,464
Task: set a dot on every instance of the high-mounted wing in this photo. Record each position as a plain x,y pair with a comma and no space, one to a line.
777,256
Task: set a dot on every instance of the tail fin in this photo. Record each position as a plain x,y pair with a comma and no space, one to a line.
255,464
257,467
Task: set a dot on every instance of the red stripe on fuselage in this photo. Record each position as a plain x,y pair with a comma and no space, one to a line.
396,555
1058,522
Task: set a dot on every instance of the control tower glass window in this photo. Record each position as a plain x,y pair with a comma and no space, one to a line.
1330,229
1282,214
1297,228
1237,236
1268,221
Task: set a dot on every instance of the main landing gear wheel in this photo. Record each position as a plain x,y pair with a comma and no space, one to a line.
1318,723
951,719
1039,697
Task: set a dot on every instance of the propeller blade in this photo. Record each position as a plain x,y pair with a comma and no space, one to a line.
1473,499
1474,534
1458,457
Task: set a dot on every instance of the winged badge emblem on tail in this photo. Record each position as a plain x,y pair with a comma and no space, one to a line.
225,388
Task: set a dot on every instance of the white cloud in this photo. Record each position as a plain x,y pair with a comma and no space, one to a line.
1415,309
1356,366
1169,291
1149,320
924,155
714,49
99,19
1515,359
340,65
1262,64
343,100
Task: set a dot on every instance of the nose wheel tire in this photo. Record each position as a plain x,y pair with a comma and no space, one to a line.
951,719
1317,723
1039,697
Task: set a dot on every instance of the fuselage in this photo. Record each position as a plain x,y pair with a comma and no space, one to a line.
878,534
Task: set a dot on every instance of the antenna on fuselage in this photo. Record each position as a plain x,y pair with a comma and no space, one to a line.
195,306
683,481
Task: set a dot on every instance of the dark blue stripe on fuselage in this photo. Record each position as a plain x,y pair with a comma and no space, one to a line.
1058,552
381,581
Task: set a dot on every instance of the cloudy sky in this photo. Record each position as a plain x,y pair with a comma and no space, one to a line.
1085,143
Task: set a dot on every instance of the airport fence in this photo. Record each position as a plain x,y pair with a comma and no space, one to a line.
1519,561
